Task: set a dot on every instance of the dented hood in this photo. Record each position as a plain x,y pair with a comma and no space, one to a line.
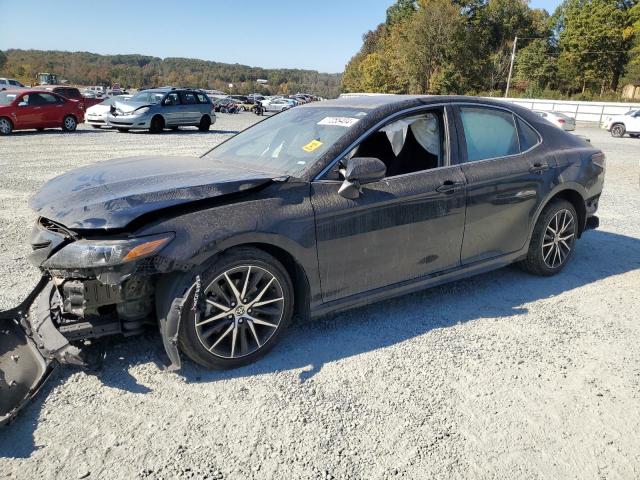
113,193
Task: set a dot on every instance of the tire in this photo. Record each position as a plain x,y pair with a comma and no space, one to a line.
69,123
205,123
123,130
233,340
95,126
157,124
618,130
6,127
553,240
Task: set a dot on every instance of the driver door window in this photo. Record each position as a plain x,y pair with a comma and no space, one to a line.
411,144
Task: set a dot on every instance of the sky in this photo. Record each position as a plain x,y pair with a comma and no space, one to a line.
314,34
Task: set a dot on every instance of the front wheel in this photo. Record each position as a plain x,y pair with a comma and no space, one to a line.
617,130
157,124
69,124
244,306
5,126
553,239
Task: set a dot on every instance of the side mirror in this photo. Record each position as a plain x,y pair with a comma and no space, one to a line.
360,171
23,104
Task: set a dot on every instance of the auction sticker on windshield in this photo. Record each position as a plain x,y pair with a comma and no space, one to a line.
339,121
312,145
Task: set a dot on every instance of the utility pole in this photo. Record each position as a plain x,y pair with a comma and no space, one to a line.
513,57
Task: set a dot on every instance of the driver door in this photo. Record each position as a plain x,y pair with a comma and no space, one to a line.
400,228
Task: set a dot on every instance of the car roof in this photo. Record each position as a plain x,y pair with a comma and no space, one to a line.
392,102
28,90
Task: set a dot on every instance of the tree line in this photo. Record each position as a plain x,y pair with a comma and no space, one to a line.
585,49
136,71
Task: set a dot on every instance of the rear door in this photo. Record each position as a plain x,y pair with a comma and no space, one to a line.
53,109
189,108
508,176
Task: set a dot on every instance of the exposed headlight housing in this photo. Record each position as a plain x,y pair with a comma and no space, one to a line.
107,253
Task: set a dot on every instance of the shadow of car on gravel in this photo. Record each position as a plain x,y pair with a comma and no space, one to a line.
310,345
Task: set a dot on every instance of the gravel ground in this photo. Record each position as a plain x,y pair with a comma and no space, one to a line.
503,375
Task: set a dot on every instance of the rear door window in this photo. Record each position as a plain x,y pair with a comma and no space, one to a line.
528,136
202,98
489,133
188,98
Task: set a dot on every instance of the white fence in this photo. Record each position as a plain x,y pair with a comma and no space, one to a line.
581,111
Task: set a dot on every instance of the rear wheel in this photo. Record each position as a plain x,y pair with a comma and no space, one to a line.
618,130
157,124
205,123
69,124
245,305
5,126
553,239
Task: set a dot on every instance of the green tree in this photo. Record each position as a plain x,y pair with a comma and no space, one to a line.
594,37
536,67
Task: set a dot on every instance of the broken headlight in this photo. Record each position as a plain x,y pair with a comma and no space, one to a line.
107,253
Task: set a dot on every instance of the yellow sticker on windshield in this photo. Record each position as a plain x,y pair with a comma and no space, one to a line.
312,145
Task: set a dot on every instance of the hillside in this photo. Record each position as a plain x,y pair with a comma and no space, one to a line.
144,71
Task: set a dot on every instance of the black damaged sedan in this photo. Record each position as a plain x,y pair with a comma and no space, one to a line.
321,208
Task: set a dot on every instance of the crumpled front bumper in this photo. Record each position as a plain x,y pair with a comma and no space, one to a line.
30,348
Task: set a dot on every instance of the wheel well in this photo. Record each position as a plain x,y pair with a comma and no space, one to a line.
9,120
71,115
157,115
577,201
302,294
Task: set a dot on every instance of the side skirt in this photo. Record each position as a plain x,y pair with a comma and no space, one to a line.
415,285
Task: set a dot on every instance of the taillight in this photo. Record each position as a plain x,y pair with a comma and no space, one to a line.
599,160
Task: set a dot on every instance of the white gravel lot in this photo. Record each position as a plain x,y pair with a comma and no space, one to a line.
502,376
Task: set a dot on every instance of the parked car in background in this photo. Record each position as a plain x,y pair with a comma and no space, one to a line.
560,120
629,123
278,105
10,84
96,115
98,91
226,105
160,108
72,93
606,120
39,109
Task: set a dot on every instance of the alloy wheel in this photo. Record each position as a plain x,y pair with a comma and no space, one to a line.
617,131
69,123
559,237
5,126
244,308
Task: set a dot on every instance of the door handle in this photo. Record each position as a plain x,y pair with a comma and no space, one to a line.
539,167
450,187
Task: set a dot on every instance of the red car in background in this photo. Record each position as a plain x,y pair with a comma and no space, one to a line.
72,93
39,109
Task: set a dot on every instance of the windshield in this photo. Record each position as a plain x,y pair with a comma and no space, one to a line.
289,142
147,97
7,98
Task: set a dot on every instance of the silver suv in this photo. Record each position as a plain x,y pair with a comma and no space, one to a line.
160,108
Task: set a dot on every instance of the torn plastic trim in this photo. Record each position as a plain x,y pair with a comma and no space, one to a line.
30,348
